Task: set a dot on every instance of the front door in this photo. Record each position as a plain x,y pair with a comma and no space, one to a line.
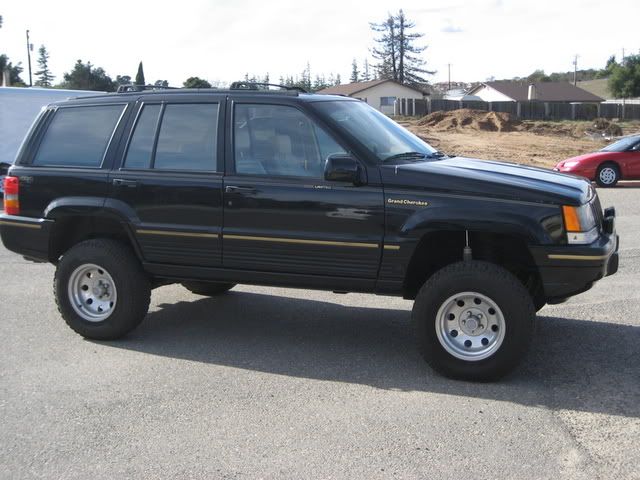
171,181
280,213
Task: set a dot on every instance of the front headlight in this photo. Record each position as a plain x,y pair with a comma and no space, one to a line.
570,164
580,224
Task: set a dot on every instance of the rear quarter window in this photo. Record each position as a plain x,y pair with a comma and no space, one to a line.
78,136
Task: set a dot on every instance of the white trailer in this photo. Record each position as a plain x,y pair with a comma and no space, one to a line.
19,107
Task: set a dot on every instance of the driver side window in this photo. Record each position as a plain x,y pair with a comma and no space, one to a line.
280,141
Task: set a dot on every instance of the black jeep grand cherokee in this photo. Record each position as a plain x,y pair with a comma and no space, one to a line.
209,188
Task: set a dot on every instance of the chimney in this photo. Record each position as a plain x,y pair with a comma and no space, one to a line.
533,92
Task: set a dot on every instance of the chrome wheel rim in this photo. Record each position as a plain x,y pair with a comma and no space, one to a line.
608,175
470,326
92,292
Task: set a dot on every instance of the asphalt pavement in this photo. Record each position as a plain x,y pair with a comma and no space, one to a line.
298,384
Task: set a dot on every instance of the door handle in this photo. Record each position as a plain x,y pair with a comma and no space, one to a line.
121,182
236,189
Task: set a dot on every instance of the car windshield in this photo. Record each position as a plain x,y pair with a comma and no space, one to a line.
382,136
622,145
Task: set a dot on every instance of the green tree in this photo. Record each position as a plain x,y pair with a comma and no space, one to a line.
355,73
539,76
624,81
140,75
196,82
399,56
14,71
123,80
161,83
366,74
45,77
85,76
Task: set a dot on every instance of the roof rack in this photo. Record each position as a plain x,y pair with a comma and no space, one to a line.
141,88
256,85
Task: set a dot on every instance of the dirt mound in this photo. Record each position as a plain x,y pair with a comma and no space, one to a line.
470,119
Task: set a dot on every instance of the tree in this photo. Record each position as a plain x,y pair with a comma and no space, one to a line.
398,55
196,82
14,71
625,78
366,75
338,80
123,80
140,75
85,76
45,76
355,73
161,83
538,76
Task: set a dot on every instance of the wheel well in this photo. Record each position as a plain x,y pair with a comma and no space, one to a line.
71,230
439,249
612,163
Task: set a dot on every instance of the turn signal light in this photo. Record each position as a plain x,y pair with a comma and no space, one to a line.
11,189
571,219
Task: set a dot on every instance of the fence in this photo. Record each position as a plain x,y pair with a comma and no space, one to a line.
533,110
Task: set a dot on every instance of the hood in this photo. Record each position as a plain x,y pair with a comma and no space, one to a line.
467,176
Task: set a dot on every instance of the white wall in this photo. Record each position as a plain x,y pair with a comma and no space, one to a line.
387,89
488,94
19,107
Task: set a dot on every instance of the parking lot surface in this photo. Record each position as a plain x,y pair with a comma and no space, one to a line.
279,383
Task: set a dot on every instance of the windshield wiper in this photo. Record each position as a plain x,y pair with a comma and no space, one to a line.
414,155
407,155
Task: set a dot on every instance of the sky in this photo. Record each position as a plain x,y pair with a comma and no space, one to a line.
222,40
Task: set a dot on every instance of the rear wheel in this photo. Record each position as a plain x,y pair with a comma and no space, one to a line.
208,289
608,175
473,320
101,290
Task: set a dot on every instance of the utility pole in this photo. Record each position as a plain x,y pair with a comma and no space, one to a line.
575,69
449,84
29,48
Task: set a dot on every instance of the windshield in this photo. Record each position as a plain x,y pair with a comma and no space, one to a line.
377,132
622,145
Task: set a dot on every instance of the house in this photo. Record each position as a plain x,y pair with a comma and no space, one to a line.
380,94
563,92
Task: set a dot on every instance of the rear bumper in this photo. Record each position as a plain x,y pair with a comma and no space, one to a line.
26,236
569,270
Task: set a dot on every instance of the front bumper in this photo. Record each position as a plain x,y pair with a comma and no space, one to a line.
568,270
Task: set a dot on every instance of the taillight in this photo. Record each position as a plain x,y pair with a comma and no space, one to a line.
11,190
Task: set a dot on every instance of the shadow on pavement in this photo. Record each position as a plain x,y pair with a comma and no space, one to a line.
574,364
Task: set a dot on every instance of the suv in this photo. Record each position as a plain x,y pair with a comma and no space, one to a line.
129,191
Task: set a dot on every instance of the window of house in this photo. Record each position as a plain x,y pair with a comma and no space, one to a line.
78,136
387,101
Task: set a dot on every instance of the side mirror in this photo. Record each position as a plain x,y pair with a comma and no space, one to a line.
343,168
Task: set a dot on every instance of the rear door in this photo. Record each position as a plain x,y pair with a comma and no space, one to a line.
170,178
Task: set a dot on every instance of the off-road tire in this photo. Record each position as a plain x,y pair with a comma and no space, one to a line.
132,284
497,284
208,289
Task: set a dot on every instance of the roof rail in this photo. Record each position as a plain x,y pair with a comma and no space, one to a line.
256,85
141,88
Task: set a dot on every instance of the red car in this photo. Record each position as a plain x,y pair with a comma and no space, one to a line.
618,161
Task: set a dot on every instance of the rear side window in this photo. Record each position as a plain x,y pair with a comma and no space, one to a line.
78,136
187,139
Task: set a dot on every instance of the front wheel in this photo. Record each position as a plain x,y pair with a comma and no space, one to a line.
473,320
101,290
608,175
